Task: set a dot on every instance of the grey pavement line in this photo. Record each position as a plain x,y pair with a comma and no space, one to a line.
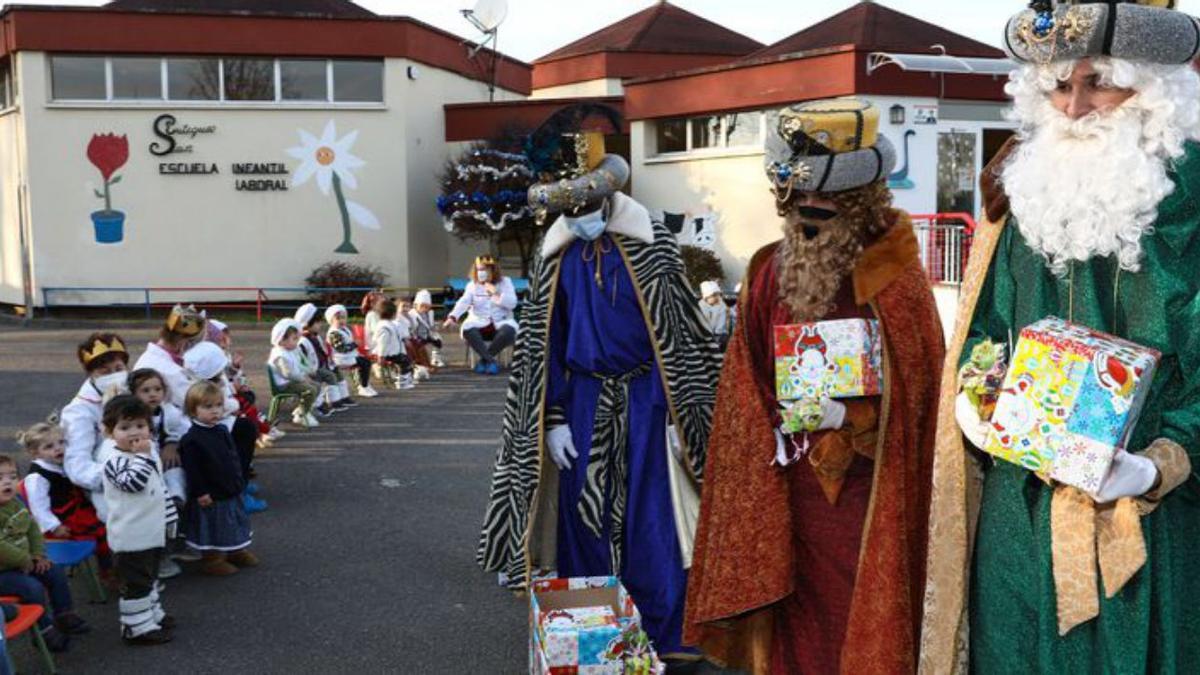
389,441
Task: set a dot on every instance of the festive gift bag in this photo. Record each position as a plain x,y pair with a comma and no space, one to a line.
586,626
826,359
1070,400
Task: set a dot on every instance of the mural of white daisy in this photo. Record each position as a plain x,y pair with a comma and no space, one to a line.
330,160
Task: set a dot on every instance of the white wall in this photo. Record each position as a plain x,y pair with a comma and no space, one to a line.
602,87
197,230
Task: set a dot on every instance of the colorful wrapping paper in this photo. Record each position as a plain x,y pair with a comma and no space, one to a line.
579,626
1070,401
825,359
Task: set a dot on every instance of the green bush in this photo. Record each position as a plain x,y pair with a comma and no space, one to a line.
701,265
338,274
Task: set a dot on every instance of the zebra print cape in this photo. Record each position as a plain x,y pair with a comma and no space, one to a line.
518,534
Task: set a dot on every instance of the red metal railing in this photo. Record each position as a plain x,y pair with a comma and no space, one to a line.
944,240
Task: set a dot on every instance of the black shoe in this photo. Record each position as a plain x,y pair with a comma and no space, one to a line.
348,403
154,637
168,622
56,640
71,624
341,405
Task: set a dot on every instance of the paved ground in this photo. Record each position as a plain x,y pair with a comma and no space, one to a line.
368,548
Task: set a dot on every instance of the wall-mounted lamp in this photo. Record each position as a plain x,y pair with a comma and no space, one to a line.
896,113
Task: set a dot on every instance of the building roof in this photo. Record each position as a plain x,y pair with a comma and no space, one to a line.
341,9
869,26
663,29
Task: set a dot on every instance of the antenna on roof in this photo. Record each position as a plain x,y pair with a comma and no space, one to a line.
486,16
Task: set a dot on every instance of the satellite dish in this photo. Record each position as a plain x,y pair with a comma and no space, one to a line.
487,15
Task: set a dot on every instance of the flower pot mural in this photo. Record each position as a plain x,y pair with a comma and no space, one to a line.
108,153
329,159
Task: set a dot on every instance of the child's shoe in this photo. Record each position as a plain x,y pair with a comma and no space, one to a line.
405,382
323,410
154,637
56,640
480,368
215,565
253,504
435,359
71,623
421,373
168,622
276,433
348,403
341,405
493,368
367,392
305,419
243,558
168,569
252,488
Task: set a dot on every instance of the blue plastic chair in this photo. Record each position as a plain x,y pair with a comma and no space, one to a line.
73,554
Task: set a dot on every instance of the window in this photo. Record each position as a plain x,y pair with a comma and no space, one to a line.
304,79
249,79
137,78
671,136
358,81
710,133
8,97
193,79
78,77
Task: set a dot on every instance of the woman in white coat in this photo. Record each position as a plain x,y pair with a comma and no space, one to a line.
488,301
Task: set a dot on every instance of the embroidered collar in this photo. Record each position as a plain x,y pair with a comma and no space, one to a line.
628,218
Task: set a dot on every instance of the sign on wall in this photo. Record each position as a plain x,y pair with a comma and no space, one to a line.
925,114
690,229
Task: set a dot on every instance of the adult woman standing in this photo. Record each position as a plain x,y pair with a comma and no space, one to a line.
488,301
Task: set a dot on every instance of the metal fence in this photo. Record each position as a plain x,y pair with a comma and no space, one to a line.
944,240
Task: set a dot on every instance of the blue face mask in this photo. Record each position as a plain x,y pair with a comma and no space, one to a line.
587,227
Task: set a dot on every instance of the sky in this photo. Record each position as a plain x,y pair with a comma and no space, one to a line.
538,27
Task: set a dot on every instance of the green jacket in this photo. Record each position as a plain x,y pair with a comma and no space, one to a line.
20,537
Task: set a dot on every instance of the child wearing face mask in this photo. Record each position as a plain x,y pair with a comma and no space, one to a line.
215,520
141,517
488,302
26,572
105,360
61,509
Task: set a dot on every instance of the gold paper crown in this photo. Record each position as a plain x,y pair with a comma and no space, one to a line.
485,260
185,321
100,348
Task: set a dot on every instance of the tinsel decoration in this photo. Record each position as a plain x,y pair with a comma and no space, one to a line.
485,188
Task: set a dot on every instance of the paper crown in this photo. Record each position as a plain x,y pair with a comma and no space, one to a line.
485,260
99,347
1151,31
185,321
831,145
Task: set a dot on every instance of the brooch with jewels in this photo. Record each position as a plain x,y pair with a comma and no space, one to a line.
1041,30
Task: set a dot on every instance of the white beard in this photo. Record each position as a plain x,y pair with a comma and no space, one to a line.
1087,188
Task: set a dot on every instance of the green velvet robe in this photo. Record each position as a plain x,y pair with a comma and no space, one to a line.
1153,624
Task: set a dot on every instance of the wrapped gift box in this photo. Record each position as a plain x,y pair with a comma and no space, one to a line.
580,626
826,359
1070,400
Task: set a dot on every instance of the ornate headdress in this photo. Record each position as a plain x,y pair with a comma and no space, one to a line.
827,146
485,261
571,164
185,321
1150,31
101,344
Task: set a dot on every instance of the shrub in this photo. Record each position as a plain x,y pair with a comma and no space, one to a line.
338,274
701,265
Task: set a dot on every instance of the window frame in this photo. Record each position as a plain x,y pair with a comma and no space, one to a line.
721,150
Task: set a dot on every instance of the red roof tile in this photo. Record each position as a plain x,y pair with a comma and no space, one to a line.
305,8
663,29
873,27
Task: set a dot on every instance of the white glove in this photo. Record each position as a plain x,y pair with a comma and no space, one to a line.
1129,476
781,449
974,428
833,415
561,446
673,442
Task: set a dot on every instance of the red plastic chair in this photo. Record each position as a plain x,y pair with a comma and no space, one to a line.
360,338
27,618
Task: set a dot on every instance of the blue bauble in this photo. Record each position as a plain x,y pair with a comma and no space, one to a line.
1043,24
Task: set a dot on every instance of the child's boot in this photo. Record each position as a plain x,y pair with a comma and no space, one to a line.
253,504
243,558
435,359
405,381
215,565
71,623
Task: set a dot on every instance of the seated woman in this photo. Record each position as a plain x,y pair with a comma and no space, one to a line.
488,301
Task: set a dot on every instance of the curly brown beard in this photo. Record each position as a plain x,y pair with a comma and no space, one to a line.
812,270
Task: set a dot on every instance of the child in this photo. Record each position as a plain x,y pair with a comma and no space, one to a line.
167,426
314,354
389,345
140,514
26,572
215,521
345,352
245,396
715,311
288,372
416,354
370,310
424,328
105,360
61,508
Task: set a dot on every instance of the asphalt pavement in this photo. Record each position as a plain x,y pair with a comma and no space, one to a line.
367,550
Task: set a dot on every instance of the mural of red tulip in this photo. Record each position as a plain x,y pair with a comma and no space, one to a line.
108,153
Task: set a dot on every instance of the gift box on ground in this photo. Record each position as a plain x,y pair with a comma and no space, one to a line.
826,359
584,626
1070,400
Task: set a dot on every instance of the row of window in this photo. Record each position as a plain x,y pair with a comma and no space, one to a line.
137,78
736,131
